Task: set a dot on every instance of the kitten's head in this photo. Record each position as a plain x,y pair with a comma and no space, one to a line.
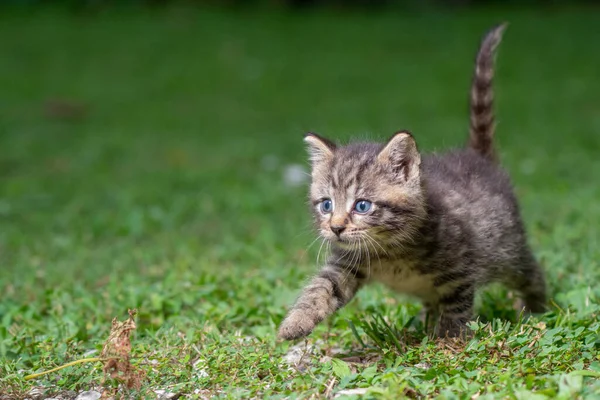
366,192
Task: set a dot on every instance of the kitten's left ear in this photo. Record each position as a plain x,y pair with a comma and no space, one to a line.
402,155
319,148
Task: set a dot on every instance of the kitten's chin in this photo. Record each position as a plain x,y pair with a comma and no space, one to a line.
344,244
336,241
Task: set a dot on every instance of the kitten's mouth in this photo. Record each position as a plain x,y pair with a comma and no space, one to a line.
356,241
351,240
333,239
338,240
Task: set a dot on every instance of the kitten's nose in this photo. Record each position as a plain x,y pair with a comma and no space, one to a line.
337,229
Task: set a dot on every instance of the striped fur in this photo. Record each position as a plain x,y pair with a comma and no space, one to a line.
481,132
440,226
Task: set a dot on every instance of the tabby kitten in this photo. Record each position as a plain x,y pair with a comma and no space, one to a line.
435,226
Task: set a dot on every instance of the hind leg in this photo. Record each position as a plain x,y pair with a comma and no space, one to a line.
528,279
429,316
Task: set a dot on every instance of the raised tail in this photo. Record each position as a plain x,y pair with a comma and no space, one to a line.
481,132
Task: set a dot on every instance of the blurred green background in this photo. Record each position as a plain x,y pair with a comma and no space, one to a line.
130,132
135,138
144,148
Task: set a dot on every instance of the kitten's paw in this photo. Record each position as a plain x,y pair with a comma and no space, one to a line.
449,328
529,307
295,326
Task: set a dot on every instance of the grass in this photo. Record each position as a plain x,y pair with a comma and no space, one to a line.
166,195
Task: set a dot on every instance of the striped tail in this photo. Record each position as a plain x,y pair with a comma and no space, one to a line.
481,132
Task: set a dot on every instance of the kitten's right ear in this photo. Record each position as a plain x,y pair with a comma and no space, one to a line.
319,148
401,154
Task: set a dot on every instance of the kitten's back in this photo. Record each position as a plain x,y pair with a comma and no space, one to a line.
467,171
471,194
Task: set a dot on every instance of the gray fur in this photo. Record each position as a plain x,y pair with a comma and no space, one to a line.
440,227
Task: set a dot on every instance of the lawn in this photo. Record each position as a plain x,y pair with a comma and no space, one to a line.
142,165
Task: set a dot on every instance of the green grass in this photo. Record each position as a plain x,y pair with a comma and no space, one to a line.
158,198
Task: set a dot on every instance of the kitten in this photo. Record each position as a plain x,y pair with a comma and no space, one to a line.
437,227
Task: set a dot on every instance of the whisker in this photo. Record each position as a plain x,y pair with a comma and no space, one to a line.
370,241
312,243
320,248
353,261
377,243
359,260
346,268
368,257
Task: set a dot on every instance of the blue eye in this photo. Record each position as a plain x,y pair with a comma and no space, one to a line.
326,206
362,206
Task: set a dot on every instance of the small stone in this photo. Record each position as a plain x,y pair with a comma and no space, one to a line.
90,353
65,395
297,352
351,392
164,395
36,393
202,374
300,355
89,395
423,365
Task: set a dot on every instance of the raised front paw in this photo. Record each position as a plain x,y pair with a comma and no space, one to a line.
296,325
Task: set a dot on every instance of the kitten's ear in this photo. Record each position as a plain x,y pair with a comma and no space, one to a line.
319,148
402,155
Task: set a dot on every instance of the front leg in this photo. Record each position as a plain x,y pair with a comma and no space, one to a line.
331,289
456,310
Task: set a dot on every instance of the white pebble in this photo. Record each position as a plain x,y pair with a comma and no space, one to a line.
164,395
89,395
351,392
294,175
